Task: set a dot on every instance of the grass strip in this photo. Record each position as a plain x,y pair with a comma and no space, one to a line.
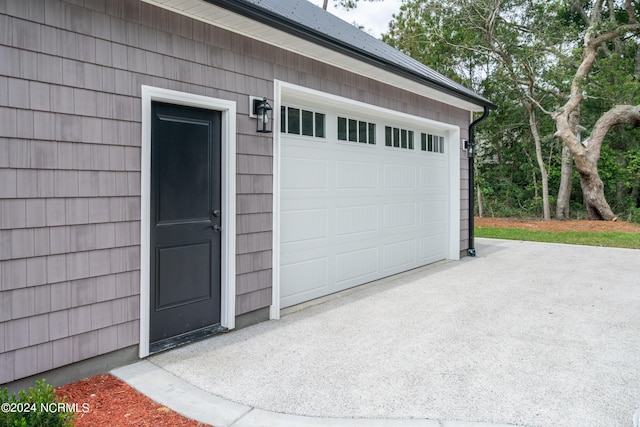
615,239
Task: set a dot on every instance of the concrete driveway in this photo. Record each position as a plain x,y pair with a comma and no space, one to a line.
528,334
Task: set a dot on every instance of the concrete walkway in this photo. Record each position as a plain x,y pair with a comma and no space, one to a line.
173,392
526,334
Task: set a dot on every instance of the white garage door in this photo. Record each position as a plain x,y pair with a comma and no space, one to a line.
361,197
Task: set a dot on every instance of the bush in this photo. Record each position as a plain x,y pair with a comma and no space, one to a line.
38,407
633,215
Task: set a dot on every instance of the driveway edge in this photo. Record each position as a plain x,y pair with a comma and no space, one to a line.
192,402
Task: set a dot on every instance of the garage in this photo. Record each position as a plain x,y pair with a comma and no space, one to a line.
364,194
145,193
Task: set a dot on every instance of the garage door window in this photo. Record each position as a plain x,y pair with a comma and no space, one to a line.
397,137
432,143
319,125
298,121
356,131
293,120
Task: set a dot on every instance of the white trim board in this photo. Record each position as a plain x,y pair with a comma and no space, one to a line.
228,260
223,18
313,98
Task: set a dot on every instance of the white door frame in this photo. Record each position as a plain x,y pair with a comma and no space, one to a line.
228,244
452,139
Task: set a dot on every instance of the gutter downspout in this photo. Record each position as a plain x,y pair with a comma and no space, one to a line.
471,154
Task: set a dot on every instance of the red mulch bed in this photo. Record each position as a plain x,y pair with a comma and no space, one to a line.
111,402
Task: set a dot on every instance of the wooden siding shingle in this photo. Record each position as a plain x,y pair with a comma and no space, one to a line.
70,126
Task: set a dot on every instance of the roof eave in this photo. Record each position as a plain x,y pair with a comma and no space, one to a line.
279,22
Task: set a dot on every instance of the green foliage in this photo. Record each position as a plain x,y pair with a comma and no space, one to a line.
517,53
612,239
431,32
349,4
39,407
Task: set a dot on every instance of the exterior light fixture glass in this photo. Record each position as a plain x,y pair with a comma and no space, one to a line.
470,149
264,114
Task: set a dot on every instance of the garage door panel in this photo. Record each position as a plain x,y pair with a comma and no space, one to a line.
356,265
346,197
435,211
299,252
399,255
399,177
304,225
300,173
303,199
433,194
306,277
352,220
434,176
399,215
430,248
353,213
356,175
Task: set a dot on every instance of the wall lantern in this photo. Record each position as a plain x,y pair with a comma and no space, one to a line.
469,148
264,115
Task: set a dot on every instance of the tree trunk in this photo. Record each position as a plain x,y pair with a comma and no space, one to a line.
587,160
324,5
533,125
635,199
592,187
480,206
566,169
586,155
594,201
620,193
635,195
564,192
476,172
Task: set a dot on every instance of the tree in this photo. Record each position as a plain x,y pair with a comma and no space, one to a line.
347,4
450,35
600,32
530,47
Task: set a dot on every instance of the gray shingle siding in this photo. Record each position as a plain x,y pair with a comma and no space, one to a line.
70,135
303,19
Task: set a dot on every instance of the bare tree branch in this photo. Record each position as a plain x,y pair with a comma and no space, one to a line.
631,13
618,115
597,11
617,32
535,101
578,7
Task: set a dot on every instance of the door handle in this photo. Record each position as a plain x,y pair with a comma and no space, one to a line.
216,228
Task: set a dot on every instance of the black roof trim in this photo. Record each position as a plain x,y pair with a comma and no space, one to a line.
286,24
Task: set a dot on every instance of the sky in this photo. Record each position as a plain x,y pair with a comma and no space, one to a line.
374,16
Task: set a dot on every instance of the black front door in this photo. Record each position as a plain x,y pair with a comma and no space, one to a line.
185,223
